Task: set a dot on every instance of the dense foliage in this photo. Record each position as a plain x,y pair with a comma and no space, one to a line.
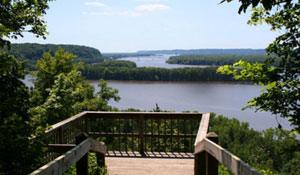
60,90
272,150
281,95
31,52
214,59
18,16
18,153
97,71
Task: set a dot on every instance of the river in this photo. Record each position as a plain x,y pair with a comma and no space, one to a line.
156,61
221,98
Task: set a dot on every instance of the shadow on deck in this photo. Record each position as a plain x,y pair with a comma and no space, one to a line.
135,154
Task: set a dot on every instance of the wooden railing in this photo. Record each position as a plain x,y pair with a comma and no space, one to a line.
78,154
137,131
132,131
121,131
208,154
145,132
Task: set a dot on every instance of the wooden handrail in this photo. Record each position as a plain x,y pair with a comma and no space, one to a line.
155,136
147,115
64,162
203,128
146,128
232,162
142,130
65,122
203,144
139,131
98,147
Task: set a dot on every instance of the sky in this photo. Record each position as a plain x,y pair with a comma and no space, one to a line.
132,25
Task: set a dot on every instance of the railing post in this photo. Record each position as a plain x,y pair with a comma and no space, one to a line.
141,134
82,164
205,164
86,123
200,163
100,159
211,162
61,135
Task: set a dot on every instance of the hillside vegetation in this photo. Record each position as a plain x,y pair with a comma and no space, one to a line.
31,52
214,59
126,70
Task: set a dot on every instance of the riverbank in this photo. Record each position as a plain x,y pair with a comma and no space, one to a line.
208,74
179,82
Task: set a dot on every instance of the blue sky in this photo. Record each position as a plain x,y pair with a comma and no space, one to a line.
132,25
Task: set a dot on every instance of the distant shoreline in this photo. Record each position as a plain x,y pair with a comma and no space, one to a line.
177,82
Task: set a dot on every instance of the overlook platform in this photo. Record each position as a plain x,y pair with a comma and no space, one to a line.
148,143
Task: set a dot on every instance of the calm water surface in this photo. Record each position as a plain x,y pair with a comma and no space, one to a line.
156,61
221,98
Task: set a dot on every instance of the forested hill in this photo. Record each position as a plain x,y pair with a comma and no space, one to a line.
31,52
35,51
207,51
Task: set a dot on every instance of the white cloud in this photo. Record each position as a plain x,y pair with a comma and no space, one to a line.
124,13
150,0
95,4
151,7
98,13
165,29
132,14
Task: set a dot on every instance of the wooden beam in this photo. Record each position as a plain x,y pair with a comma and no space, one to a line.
141,128
61,148
147,115
232,162
64,162
212,164
98,147
112,134
82,165
65,122
203,128
200,163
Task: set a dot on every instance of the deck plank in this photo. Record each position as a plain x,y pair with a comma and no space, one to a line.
149,166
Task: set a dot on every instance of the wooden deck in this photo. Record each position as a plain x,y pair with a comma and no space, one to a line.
142,132
150,163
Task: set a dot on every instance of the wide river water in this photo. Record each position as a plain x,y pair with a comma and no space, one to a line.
221,98
156,61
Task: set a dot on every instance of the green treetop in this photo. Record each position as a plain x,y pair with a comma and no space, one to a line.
18,16
281,95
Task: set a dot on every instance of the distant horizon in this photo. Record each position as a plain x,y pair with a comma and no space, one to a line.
146,50
126,26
